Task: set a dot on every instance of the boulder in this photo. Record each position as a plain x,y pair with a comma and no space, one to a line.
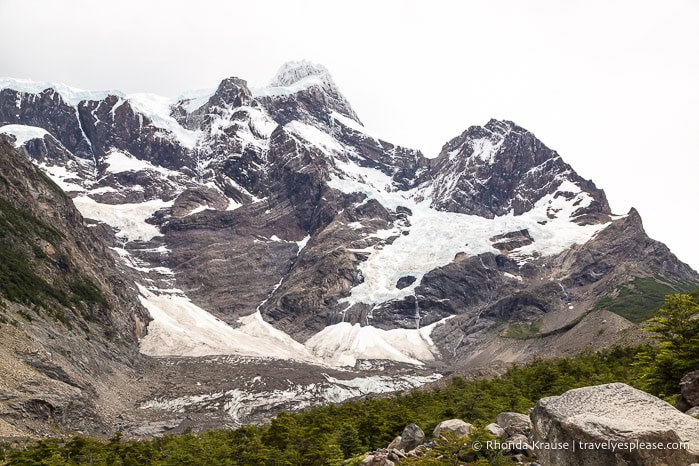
394,444
412,437
612,424
689,388
514,423
495,430
694,412
456,426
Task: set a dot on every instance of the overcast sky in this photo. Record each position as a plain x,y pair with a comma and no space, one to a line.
613,86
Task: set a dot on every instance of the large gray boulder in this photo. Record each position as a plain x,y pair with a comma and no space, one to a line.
612,424
514,423
456,426
412,437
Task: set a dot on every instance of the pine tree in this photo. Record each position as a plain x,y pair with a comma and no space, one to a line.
676,327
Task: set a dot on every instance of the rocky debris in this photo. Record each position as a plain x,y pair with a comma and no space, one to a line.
597,418
75,311
377,460
411,437
454,426
514,423
495,430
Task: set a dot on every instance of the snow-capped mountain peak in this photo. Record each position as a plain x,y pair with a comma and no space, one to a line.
292,72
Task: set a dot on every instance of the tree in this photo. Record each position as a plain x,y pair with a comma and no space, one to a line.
349,442
676,327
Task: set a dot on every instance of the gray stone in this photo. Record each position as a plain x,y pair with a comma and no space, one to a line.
456,426
496,430
412,437
514,423
614,413
689,387
519,444
377,460
694,412
394,444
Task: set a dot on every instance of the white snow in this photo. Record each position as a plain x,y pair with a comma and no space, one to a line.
302,244
485,150
23,133
195,98
60,175
342,344
155,107
313,135
293,77
129,219
122,162
196,210
354,125
181,328
71,95
436,237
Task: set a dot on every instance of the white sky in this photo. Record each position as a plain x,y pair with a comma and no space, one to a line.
613,86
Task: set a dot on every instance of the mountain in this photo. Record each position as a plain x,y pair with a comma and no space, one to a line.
280,254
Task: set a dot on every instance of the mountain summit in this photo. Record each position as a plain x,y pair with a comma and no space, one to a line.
268,233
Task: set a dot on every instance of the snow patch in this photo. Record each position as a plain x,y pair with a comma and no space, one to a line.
181,328
120,162
128,219
314,136
23,133
343,344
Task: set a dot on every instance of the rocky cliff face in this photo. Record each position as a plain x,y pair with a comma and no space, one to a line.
270,223
69,318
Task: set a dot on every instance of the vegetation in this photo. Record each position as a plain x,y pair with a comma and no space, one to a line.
639,299
524,330
676,328
338,434
331,434
21,257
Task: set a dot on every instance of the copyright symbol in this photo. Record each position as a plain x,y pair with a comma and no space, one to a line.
476,446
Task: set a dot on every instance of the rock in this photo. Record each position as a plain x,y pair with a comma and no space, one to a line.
514,423
394,444
689,388
377,460
396,455
457,426
496,430
412,437
694,412
519,444
612,415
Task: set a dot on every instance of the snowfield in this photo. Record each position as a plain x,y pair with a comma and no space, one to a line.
181,328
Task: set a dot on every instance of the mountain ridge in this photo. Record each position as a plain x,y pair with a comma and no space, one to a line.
243,215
